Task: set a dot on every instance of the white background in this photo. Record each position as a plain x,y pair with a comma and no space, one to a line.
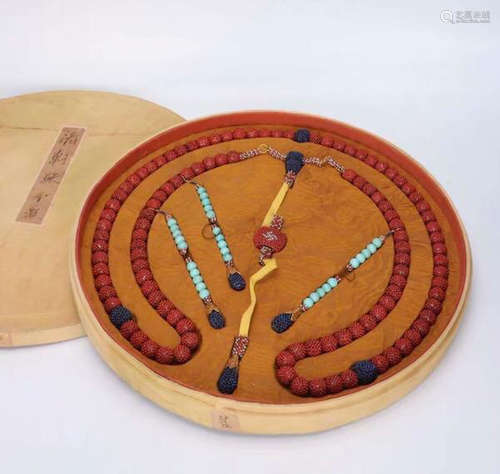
400,72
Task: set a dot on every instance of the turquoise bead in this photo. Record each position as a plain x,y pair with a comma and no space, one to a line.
326,287
210,214
171,221
182,245
200,286
208,208
308,303
221,244
204,293
194,272
314,296
377,242
200,189
219,237
371,248
360,258
205,201
227,258
366,253
321,292
203,195
179,238
354,262
174,227
176,233
332,282
216,230
224,250
191,265
197,279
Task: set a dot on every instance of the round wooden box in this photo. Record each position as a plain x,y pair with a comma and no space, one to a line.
327,221
54,146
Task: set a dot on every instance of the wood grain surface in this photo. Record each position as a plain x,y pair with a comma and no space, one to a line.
327,220
37,305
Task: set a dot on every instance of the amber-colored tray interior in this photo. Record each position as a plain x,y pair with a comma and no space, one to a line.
327,220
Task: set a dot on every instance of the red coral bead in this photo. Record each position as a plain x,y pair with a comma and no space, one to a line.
394,292
139,234
329,343
399,180
401,270
112,303
400,235
181,150
198,168
415,197
334,383
108,214
151,166
190,339
165,355
433,226
149,348
408,188
154,203
327,141
437,293
214,139
371,160
147,213
422,206
404,345
138,338
436,237
393,356
138,244
174,316
313,347
402,247
338,145
395,224
126,186
428,316
349,378
344,337
188,173
413,336
170,155
155,297
227,136
298,350
434,305
441,271
368,321
384,205
391,214
233,157
182,354
402,258
143,275
239,133
140,264
160,160
203,141
349,175
168,188
101,235
221,159
421,326
209,162
387,302
380,361
317,387
359,182
285,358
99,257
184,325
379,312
102,280
285,375
440,282
398,280
120,195
252,133
357,330
164,307
142,172
439,248
441,259
128,328
143,223
299,386
369,189
106,292
350,150
104,224
276,133
264,133
177,181
391,173
428,216
381,166
100,269
377,197
192,145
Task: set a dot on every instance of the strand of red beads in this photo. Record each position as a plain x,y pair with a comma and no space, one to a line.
366,371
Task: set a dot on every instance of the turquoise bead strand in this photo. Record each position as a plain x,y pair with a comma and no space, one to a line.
283,321
215,317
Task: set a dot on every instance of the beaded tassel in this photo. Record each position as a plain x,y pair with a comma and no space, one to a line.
234,277
215,317
283,321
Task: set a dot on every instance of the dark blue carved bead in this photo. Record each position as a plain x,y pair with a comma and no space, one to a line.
366,371
294,161
236,281
228,380
282,322
302,135
216,320
120,315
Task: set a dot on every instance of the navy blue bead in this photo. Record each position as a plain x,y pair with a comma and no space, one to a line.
302,135
216,320
366,371
120,315
294,161
282,322
236,281
228,380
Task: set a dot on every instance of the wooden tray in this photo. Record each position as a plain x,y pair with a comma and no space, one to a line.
326,219
54,145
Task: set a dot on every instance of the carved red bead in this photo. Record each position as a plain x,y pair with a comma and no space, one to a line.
299,386
190,339
404,345
393,356
298,350
182,354
380,361
184,325
317,387
149,348
313,347
329,343
285,375
349,379
164,355
334,383
284,358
